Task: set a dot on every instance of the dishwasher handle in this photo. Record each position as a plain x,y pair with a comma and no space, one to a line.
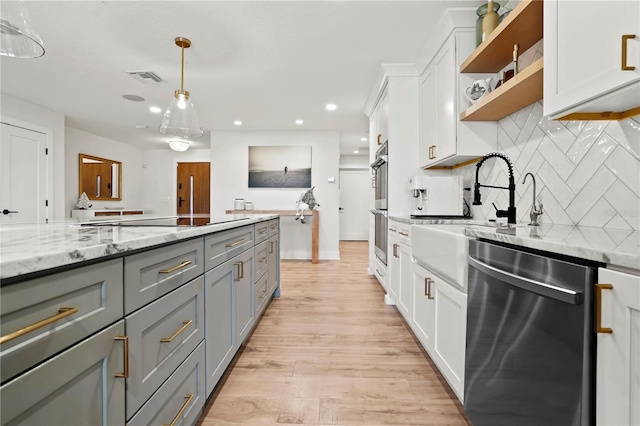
537,287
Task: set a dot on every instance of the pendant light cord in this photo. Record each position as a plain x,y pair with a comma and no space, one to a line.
182,74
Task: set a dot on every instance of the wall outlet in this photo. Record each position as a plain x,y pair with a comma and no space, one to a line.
164,199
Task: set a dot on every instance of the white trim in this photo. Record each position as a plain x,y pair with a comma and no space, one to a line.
48,132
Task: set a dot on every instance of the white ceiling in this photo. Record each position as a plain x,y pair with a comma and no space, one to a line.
266,63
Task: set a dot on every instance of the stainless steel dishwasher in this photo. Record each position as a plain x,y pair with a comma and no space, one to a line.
530,350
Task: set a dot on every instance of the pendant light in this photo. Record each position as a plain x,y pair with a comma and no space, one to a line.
179,146
17,38
180,119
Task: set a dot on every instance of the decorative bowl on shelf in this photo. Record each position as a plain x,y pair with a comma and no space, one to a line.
478,89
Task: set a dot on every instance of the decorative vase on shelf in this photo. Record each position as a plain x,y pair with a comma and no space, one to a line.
478,89
490,20
481,11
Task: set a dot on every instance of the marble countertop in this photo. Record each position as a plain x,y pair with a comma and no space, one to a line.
28,248
615,247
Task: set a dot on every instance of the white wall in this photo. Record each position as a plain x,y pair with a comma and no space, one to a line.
26,112
160,177
354,161
78,141
229,180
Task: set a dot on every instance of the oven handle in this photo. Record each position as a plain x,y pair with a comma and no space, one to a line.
537,287
379,162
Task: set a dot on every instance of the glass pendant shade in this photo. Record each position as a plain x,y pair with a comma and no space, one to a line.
180,118
17,38
179,146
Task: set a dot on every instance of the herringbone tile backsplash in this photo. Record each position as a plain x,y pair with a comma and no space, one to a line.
587,172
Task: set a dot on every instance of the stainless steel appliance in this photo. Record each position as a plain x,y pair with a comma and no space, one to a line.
380,170
380,239
530,354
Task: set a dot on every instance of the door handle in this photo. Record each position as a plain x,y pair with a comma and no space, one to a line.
626,38
5,211
598,308
180,201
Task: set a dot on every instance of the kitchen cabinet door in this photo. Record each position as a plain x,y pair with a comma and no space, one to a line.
618,352
584,57
393,265
243,295
450,324
429,121
405,283
219,321
423,307
76,387
273,253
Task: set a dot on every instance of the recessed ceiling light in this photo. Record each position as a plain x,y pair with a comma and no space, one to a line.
355,152
363,139
134,98
155,109
331,107
238,123
299,122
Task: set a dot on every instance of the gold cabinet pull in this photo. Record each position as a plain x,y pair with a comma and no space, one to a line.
379,139
404,234
263,231
427,291
240,241
598,303
270,246
189,398
274,226
125,350
185,324
395,250
392,229
239,265
626,38
262,259
62,313
175,268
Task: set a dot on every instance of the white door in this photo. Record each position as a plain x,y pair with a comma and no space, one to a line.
354,205
23,168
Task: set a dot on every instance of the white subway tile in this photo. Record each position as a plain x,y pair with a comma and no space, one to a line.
625,202
617,223
553,211
599,215
591,162
626,167
585,140
557,132
556,158
627,134
510,127
556,184
595,188
576,126
529,149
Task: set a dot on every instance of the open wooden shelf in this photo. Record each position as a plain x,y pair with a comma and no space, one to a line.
521,90
522,26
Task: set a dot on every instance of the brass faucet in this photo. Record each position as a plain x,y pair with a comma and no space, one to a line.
534,214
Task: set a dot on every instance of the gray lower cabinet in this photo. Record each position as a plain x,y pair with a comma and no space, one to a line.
154,273
62,309
261,259
219,328
161,335
225,245
243,295
180,399
273,259
261,290
79,386
262,231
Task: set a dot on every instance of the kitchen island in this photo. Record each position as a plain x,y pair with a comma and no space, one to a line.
136,324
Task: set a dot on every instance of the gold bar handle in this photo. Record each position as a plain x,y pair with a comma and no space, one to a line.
62,313
125,349
262,259
426,285
185,325
274,226
404,234
395,250
262,232
243,240
429,282
598,308
175,268
242,269
379,139
392,229
239,265
270,246
184,407
625,38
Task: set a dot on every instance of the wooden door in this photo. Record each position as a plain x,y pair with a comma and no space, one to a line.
193,190
354,208
23,163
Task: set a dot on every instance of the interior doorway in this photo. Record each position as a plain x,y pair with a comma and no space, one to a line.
194,193
24,171
354,214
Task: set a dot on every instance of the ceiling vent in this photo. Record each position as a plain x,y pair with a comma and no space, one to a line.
146,76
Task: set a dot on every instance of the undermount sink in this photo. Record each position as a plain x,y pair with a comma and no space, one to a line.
443,249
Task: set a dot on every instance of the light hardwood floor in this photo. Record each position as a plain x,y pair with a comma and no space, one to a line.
330,352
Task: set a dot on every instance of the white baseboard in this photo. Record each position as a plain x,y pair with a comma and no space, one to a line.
306,255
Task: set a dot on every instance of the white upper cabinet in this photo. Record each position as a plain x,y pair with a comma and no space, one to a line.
591,66
444,139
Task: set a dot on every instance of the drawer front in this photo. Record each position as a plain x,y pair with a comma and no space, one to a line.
262,231
155,273
79,386
161,335
95,291
274,227
261,294
182,395
225,245
261,259
400,231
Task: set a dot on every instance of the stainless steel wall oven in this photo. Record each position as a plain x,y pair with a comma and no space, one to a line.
380,171
381,235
